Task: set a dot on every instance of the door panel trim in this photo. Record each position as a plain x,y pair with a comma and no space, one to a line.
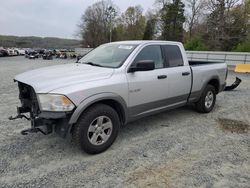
143,109
194,96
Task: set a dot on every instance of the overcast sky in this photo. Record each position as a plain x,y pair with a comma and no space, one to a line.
50,18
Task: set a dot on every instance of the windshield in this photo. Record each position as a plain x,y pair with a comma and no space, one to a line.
108,55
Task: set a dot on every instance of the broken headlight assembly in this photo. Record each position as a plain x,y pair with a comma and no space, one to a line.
55,103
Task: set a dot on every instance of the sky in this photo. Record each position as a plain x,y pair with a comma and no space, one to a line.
50,18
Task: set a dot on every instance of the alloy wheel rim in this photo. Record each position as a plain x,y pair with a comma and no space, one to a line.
100,130
209,99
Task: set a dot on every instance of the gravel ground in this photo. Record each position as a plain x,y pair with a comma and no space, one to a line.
178,148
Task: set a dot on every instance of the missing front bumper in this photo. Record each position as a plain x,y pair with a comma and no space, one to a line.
41,121
46,123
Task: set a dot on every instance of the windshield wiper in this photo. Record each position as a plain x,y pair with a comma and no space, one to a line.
93,64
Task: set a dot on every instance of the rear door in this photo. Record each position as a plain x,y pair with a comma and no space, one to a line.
179,76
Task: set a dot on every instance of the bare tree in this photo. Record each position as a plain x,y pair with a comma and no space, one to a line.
247,16
194,11
95,26
161,3
218,23
111,13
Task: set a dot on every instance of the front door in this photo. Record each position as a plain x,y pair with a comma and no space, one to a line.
148,90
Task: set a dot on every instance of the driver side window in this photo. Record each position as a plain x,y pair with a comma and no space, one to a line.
153,53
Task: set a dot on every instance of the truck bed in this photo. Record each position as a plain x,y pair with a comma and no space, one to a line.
204,71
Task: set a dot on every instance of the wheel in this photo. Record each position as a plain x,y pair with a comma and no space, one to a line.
207,100
96,129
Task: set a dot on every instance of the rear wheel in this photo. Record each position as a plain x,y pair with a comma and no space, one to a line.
207,100
96,129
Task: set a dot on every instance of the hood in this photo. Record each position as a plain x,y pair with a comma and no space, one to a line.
47,79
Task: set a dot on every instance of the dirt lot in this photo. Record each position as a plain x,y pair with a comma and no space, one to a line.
178,148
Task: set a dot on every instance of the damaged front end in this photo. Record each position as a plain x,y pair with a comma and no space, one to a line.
45,122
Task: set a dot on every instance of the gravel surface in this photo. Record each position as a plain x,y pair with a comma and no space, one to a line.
178,148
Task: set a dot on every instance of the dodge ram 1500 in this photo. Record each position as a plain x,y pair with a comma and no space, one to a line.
112,85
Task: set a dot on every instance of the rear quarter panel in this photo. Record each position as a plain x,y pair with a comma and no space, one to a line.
202,74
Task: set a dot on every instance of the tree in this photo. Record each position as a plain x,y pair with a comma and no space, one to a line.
150,29
172,17
244,45
219,23
111,13
195,8
246,5
133,23
161,3
96,22
196,44
119,31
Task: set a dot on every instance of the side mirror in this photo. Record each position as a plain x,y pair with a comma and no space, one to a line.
144,65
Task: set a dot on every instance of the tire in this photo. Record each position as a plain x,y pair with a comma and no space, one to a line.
96,129
207,100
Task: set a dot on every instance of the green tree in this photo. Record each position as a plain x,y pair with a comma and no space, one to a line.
150,29
196,44
236,28
118,32
172,17
243,47
133,23
223,22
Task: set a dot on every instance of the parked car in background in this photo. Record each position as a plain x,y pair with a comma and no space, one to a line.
72,55
40,52
3,52
33,55
27,52
48,55
12,52
63,55
21,51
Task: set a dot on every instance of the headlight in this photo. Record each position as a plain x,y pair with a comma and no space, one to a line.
58,103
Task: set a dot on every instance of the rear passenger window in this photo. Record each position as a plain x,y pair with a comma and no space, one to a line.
152,52
173,55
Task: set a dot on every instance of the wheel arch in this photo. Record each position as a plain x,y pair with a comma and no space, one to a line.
214,82
113,100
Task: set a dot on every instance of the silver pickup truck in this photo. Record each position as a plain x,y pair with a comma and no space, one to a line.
112,85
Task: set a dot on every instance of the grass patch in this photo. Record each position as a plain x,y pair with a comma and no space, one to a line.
233,126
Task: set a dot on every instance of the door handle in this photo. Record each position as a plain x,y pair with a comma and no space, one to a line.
162,76
185,73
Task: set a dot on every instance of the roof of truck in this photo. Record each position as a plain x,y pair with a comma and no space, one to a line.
138,42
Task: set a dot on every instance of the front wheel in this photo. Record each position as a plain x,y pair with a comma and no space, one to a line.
96,129
207,100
